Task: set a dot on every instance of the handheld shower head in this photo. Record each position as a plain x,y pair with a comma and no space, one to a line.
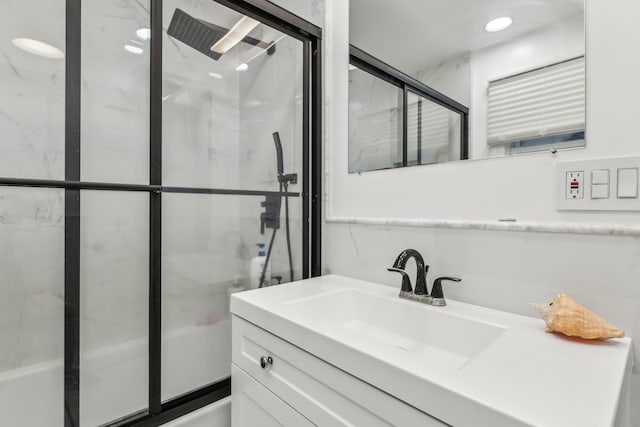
276,140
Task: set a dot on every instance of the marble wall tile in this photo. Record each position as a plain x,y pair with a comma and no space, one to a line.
203,254
310,10
114,236
31,276
115,92
201,112
114,295
451,77
271,101
32,87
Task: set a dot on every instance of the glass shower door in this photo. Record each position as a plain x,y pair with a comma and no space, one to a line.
230,83
147,148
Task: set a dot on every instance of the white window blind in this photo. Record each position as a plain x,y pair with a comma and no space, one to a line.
434,121
543,102
379,141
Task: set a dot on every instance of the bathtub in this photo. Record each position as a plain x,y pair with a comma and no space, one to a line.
114,380
217,414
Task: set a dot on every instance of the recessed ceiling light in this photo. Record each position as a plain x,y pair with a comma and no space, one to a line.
38,48
498,24
133,49
215,75
242,67
164,98
143,33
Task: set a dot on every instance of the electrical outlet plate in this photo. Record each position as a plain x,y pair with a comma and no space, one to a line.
574,185
564,196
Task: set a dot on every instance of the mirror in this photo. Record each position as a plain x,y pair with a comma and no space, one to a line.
524,86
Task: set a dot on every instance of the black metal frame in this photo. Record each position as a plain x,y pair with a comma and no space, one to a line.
159,412
386,72
72,215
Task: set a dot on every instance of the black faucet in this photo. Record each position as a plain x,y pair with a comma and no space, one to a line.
421,273
437,296
421,293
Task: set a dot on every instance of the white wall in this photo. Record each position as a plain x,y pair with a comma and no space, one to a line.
501,269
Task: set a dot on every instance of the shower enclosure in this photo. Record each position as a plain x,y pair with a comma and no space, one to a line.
137,166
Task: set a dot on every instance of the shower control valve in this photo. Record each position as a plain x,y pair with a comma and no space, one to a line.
270,218
291,178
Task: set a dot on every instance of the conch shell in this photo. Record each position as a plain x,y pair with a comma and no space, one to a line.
566,316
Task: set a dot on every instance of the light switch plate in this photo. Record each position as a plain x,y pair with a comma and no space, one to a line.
627,183
596,170
600,176
599,191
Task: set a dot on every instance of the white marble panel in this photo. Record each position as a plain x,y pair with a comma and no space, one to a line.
115,92
200,111
31,288
271,101
114,297
310,10
32,88
203,254
451,77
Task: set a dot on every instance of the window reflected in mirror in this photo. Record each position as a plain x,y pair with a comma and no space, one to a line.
396,121
375,122
522,78
433,132
537,110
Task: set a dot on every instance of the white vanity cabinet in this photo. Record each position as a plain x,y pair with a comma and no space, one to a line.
298,389
346,352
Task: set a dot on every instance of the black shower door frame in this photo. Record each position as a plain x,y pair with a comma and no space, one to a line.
159,412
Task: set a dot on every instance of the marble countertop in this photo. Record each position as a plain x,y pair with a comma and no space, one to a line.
525,377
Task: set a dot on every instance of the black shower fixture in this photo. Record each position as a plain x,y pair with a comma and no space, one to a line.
270,218
202,35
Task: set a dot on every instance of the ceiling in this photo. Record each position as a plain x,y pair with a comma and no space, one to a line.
414,34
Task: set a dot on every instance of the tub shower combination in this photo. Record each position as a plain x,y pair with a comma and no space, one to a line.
145,152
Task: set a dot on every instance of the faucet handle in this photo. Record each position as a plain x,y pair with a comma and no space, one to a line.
436,291
406,282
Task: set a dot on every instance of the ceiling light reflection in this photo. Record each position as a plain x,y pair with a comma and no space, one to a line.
39,48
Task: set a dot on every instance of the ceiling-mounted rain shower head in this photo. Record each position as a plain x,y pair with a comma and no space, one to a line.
202,35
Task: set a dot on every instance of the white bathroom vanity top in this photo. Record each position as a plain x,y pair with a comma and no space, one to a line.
463,364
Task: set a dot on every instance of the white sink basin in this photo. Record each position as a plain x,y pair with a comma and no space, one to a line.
463,364
435,335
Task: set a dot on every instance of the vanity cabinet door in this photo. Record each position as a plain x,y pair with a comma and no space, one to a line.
254,405
324,394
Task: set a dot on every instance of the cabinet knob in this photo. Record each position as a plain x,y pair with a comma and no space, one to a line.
266,361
